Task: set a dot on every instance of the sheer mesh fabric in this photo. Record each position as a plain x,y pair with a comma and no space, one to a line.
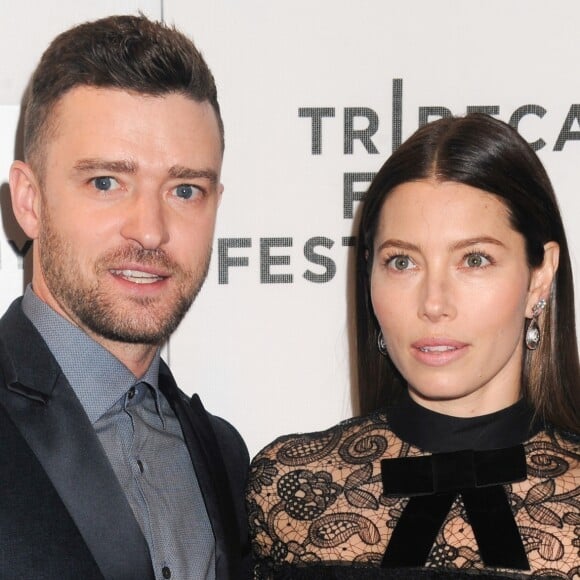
317,510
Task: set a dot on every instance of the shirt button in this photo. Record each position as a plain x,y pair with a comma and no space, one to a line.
131,393
166,572
140,465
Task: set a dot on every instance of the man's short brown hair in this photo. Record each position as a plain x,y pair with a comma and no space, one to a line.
130,53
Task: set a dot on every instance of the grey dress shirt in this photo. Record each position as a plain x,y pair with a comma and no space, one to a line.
142,439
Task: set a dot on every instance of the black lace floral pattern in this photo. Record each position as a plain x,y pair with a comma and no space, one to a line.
315,501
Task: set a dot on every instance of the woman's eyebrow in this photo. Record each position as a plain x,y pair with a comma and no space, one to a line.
461,244
399,244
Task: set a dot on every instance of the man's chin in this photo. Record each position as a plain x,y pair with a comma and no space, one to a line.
153,332
129,319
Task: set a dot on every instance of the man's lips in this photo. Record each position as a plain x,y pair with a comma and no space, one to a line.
138,276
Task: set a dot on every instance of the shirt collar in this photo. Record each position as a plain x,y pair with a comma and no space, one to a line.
97,377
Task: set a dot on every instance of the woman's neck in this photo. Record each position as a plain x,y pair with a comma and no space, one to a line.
475,404
438,432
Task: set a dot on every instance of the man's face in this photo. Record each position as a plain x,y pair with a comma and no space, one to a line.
127,212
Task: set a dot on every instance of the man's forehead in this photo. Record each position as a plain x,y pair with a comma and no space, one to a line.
115,113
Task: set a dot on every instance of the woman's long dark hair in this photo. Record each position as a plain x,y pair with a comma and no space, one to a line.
485,153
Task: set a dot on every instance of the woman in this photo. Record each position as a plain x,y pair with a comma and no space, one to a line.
466,459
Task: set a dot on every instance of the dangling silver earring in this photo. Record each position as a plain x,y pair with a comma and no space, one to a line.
381,345
533,332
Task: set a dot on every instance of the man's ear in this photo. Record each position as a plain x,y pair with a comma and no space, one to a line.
543,276
26,197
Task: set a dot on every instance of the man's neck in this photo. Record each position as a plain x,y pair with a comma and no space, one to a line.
136,357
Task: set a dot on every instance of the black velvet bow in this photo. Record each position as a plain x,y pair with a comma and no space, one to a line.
433,482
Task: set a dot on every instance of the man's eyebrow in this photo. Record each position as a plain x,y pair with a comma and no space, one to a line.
130,167
93,164
182,172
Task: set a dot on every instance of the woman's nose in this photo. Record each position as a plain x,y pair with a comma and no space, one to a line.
436,298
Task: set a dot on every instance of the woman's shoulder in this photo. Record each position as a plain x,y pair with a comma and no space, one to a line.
309,448
553,460
568,438
554,440
309,484
326,466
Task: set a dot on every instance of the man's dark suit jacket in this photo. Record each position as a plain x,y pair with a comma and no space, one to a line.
63,514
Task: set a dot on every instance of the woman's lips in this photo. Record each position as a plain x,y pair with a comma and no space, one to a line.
438,351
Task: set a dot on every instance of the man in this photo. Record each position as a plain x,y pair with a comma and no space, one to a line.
107,469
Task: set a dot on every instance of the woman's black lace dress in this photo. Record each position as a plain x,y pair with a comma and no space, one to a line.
412,494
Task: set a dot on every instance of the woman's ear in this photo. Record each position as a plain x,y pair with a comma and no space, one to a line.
543,276
26,197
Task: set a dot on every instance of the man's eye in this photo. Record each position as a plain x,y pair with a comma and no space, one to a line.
105,183
187,191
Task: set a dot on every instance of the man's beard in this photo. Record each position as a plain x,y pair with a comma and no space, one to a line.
134,319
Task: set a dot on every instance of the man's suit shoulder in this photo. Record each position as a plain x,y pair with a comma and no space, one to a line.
231,443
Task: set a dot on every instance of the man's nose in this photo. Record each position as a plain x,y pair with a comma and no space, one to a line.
146,221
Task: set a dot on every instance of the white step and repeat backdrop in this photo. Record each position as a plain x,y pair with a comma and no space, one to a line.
315,95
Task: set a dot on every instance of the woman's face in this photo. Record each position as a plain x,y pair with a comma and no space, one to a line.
451,289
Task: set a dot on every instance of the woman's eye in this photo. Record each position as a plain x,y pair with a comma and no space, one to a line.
187,191
400,263
105,183
477,261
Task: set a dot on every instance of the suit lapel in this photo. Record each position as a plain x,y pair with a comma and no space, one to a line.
51,419
211,473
